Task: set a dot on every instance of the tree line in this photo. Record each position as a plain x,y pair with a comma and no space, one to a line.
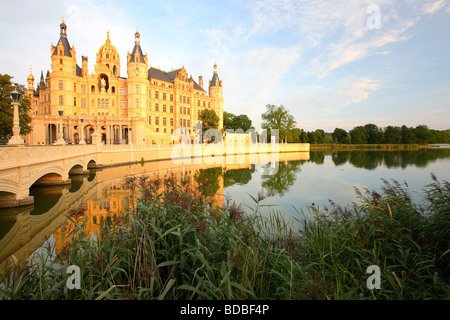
278,117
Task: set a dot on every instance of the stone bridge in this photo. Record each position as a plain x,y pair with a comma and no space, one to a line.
24,166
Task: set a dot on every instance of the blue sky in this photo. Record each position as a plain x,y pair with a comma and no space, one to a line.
318,58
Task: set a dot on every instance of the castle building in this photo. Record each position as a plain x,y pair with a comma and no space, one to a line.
145,107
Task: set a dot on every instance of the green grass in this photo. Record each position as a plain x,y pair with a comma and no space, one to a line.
176,244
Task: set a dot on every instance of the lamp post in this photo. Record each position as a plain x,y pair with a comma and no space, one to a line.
60,140
81,133
16,139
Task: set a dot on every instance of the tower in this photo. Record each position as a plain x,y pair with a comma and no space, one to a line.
215,92
30,88
137,82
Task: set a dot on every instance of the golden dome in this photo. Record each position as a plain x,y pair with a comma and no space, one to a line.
108,48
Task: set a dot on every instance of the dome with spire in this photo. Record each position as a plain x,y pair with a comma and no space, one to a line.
108,49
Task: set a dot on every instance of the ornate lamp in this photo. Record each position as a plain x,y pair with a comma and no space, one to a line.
16,139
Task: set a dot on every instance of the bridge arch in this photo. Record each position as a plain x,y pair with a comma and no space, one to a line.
49,176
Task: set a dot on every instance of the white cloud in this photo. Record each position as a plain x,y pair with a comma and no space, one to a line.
433,7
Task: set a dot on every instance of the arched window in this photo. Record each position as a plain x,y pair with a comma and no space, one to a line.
92,88
103,103
99,103
113,89
107,103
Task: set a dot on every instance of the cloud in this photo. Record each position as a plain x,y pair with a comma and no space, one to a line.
433,7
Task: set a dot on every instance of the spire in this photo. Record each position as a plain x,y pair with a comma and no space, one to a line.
215,81
30,76
63,27
108,40
137,37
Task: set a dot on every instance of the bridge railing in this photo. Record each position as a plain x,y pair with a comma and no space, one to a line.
14,156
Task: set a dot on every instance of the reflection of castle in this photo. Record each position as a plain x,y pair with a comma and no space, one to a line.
146,107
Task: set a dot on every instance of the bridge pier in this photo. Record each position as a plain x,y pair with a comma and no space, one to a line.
11,200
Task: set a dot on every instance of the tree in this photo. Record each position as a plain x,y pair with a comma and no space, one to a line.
6,111
209,120
339,135
422,133
408,136
358,135
278,118
374,134
228,120
392,135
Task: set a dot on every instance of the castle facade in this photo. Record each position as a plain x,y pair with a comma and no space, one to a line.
145,107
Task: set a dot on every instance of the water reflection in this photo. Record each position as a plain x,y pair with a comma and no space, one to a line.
299,180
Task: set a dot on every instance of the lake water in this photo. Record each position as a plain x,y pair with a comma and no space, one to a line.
300,180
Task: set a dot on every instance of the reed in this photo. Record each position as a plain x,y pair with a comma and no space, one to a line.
176,244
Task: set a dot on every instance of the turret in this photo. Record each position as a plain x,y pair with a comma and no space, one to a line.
137,62
215,92
63,56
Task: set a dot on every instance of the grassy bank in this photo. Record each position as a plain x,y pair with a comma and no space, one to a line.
176,244
366,146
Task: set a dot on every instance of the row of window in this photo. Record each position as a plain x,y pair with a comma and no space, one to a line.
183,122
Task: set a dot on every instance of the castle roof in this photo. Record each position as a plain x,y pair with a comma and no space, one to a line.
137,48
66,45
154,73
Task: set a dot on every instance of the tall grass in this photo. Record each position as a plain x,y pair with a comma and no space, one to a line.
176,244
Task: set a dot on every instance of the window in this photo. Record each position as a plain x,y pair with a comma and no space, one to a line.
164,121
122,91
122,104
61,100
189,123
113,89
188,110
74,102
171,97
198,103
164,108
188,100
181,99
184,99
103,103
171,109
83,103
149,120
171,122
184,122
156,106
137,88
137,103
209,104
107,103
74,87
157,121
99,103
157,129
83,88
184,110
165,130
204,104
164,96
181,122
92,88
156,95
60,85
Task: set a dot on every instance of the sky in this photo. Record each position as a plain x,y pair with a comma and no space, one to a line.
332,64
